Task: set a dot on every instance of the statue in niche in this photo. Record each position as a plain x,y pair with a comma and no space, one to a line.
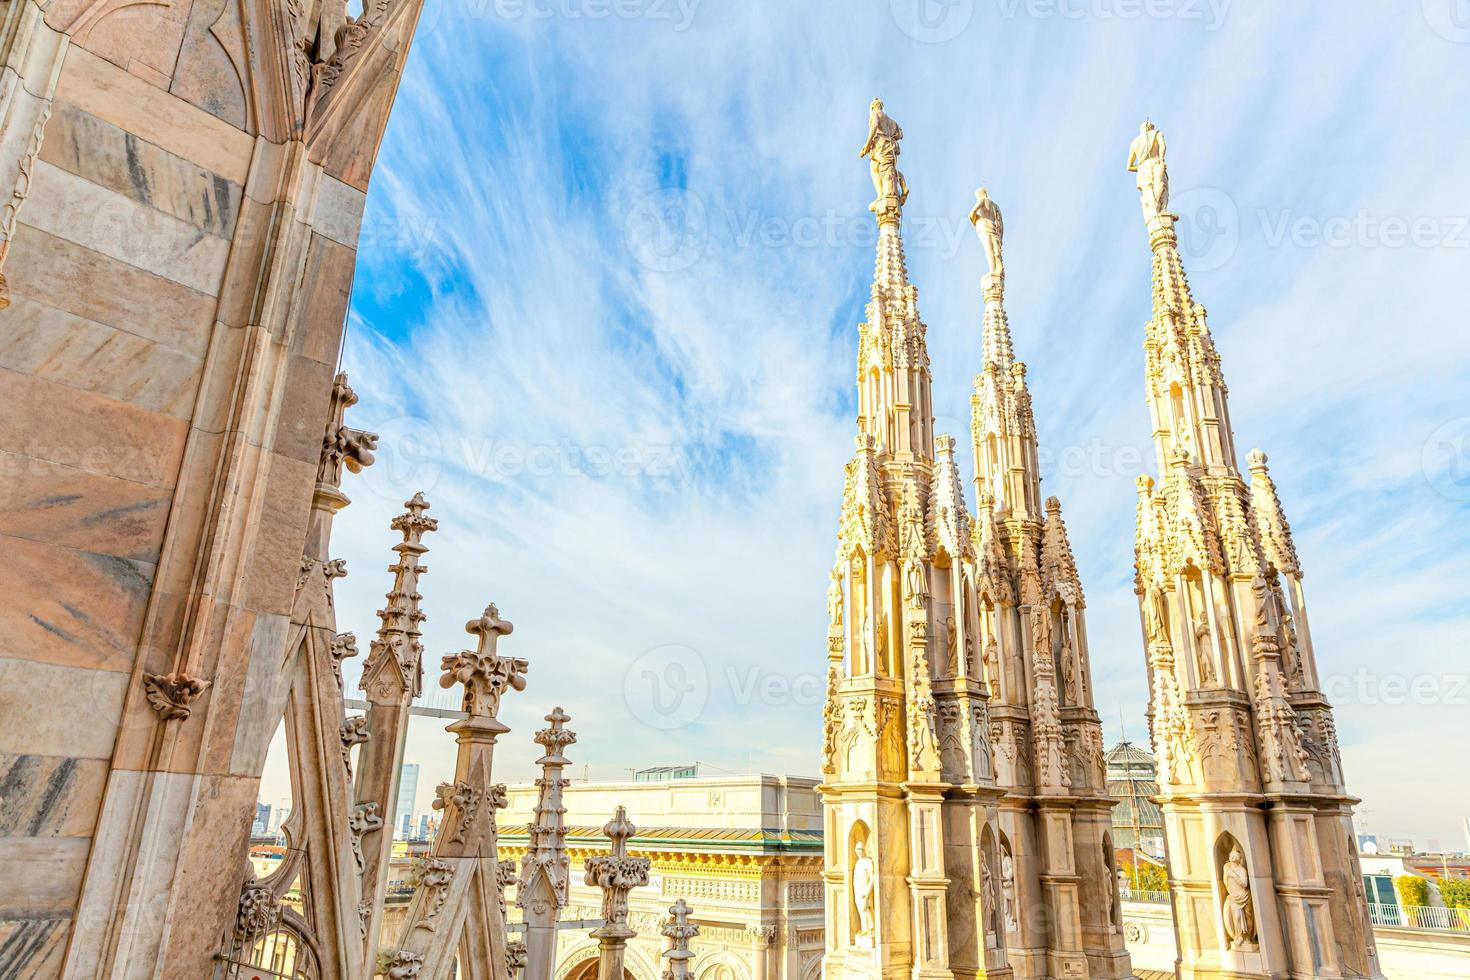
1261,595
1069,669
1238,913
1207,675
987,893
865,646
864,878
992,663
1290,652
1146,158
882,151
917,584
986,218
1154,610
1008,890
952,641
834,602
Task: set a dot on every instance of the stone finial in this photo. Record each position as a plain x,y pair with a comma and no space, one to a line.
678,930
1059,575
173,695
616,874
555,738
1270,518
546,851
483,672
400,620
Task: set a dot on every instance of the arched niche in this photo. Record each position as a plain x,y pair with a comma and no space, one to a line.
1236,901
859,841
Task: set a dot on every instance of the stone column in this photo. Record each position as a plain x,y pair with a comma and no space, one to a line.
678,930
392,677
545,875
616,874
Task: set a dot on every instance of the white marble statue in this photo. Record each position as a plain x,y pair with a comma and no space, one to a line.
882,149
1008,891
864,878
1146,158
986,218
1239,916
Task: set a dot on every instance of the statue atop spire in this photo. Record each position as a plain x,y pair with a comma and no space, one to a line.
985,216
882,151
1146,158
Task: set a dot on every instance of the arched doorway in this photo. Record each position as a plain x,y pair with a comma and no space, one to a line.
587,970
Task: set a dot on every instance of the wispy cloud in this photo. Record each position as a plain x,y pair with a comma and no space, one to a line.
607,323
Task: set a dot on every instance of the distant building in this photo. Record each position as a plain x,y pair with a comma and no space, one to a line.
408,789
745,851
660,774
1133,780
262,825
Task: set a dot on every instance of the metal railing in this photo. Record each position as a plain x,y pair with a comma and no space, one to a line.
1420,917
1146,897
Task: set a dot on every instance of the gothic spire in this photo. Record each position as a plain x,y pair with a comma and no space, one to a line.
949,520
1002,428
1270,518
990,226
1186,388
894,403
400,619
545,869
1058,566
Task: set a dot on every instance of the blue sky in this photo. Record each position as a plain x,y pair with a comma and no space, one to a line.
605,317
